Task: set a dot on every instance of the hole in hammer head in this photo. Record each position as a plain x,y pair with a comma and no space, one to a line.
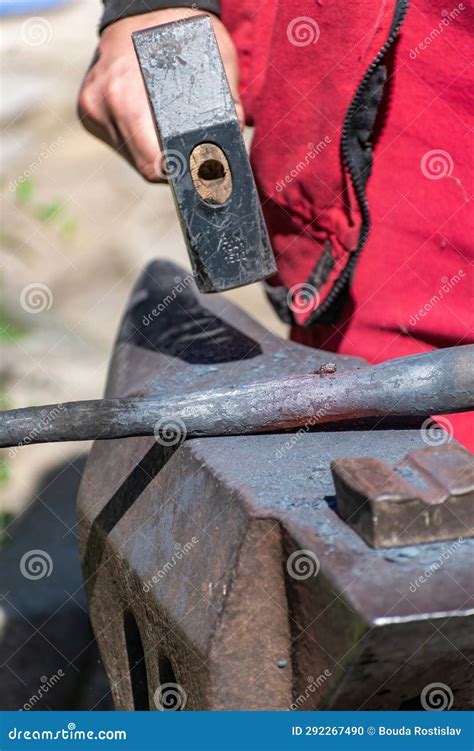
210,173
211,169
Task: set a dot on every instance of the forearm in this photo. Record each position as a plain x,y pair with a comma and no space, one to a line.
117,9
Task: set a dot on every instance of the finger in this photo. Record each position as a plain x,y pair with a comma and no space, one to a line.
232,72
231,66
133,121
140,139
239,110
94,115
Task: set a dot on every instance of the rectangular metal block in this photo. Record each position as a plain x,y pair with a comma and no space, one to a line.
428,497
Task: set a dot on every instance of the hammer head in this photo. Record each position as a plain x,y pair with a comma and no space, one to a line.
204,154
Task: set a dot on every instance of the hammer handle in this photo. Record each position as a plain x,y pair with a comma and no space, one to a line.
436,382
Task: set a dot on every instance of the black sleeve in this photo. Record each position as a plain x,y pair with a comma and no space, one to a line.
116,9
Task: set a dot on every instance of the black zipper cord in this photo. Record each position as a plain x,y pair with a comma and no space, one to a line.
357,178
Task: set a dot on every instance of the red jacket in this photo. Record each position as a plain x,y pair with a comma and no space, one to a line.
361,153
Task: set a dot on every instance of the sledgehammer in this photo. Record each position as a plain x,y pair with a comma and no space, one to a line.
206,163
436,382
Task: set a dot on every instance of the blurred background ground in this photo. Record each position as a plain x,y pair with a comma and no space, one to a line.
77,227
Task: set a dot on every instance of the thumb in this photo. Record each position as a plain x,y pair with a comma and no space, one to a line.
232,72
231,66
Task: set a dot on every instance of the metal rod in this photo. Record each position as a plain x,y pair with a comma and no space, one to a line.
436,382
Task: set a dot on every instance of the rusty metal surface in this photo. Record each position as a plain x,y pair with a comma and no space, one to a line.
429,496
223,561
440,381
